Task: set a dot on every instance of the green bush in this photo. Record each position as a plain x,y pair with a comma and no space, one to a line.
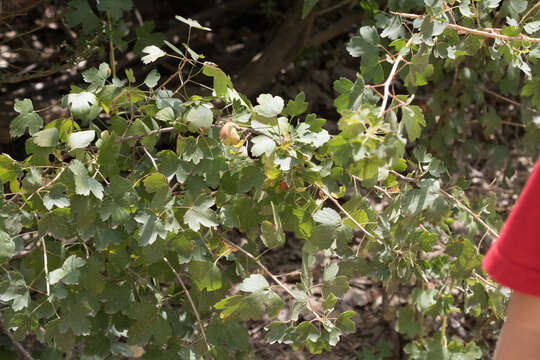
113,241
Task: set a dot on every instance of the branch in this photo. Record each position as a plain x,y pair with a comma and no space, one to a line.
190,301
20,349
494,233
272,276
137,137
389,80
508,100
466,30
363,229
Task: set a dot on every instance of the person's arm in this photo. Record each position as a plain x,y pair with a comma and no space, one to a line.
520,336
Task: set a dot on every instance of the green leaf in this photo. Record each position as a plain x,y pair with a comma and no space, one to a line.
116,7
252,306
9,169
83,105
414,120
80,139
416,200
262,144
254,283
232,335
221,80
150,228
271,236
84,184
298,106
27,119
201,214
407,323
532,27
69,272
166,114
153,53
7,246
269,106
344,322
308,6
80,13
329,301
14,289
532,89
365,44
206,275
155,182
192,23
146,37
152,79
199,117
46,138
327,216
97,77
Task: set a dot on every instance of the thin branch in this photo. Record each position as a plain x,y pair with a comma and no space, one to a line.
508,100
390,79
20,349
137,137
358,225
151,158
45,266
190,301
272,276
46,185
466,30
494,233
455,200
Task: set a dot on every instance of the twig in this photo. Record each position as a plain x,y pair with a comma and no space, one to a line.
390,78
358,225
190,301
272,276
45,266
466,30
137,137
22,351
470,212
46,185
151,158
508,100
455,200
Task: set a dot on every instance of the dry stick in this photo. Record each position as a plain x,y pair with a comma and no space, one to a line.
45,266
363,229
455,200
272,276
190,301
390,78
466,30
23,352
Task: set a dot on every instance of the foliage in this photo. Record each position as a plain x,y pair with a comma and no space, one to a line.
113,241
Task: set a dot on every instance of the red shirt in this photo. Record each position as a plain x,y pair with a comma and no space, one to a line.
514,259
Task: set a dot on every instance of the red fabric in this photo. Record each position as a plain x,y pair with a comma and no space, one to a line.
514,259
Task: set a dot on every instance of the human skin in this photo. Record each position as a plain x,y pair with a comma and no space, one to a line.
520,336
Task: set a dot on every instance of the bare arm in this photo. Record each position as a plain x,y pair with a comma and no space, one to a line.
520,336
